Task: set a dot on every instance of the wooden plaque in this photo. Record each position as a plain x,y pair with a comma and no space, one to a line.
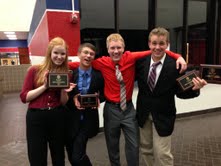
211,73
185,81
58,80
88,100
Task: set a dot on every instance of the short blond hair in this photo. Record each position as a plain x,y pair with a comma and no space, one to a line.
114,37
159,31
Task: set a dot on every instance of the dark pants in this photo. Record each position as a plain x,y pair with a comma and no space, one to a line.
76,140
45,128
114,121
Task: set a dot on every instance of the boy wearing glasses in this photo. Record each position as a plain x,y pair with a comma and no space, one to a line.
83,122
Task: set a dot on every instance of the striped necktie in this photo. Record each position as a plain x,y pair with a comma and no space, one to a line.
152,76
123,100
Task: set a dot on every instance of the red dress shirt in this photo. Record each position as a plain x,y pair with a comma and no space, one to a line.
49,98
127,68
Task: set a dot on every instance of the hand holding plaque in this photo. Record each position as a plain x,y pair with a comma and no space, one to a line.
58,80
185,81
88,100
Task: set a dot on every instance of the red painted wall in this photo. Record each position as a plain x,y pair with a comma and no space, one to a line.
52,25
39,42
59,24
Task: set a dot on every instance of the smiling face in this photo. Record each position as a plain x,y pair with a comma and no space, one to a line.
115,50
115,46
158,45
86,54
158,42
58,55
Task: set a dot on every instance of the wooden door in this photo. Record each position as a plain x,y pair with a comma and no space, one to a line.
24,55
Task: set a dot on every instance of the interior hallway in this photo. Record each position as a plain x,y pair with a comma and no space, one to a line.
196,140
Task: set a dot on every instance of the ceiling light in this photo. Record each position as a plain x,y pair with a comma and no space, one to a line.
12,38
9,33
9,36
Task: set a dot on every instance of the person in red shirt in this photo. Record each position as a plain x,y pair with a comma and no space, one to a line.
115,119
45,117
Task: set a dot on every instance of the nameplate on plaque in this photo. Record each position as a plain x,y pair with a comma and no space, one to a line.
185,81
58,80
88,100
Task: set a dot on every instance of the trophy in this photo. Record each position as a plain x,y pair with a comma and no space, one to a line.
58,80
185,81
88,100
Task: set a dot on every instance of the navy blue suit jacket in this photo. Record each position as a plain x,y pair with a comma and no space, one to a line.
91,119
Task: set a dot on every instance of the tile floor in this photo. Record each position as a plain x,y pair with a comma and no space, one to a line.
196,140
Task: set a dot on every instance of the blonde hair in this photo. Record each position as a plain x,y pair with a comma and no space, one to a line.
48,64
159,31
114,37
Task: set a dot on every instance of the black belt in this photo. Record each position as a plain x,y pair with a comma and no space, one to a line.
44,109
117,104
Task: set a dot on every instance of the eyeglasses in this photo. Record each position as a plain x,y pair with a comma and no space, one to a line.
88,52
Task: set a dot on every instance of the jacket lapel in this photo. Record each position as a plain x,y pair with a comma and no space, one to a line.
163,74
147,68
92,84
75,76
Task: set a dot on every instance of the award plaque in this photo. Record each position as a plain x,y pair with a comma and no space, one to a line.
58,80
185,81
88,100
211,73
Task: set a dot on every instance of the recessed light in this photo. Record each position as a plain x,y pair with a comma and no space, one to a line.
12,38
9,36
9,33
